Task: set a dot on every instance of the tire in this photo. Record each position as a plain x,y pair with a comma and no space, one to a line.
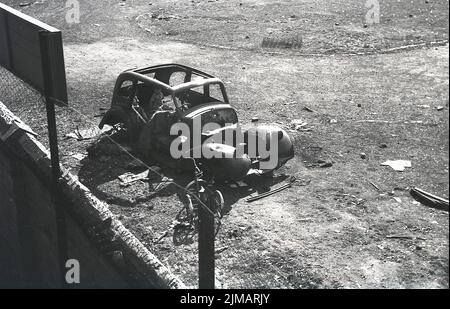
213,198
218,202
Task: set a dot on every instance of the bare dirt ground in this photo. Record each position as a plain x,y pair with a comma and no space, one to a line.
333,228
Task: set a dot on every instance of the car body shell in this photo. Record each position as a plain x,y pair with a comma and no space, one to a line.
190,94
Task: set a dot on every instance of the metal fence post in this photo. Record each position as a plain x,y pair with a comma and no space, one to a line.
54,153
206,237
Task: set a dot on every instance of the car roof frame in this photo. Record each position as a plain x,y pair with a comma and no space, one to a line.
139,74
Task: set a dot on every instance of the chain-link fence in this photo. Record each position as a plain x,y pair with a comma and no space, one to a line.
24,101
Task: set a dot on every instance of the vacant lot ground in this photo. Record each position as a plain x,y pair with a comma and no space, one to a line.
333,228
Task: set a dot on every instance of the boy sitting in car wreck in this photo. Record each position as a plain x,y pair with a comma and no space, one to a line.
156,103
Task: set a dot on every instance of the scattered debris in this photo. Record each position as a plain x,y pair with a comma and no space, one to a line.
401,189
398,165
221,249
399,237
429,199
79,156
404,237
299,125
374,185
128,178
298,122
165,181
85,134
75,135
397,199
325,164
164,234
305,108
289,183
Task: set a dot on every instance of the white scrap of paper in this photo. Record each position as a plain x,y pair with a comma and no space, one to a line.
398,165
397,199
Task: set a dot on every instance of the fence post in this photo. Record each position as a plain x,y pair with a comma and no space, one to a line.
206,237
54,154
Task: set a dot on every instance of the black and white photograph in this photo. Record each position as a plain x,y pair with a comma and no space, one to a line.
224,149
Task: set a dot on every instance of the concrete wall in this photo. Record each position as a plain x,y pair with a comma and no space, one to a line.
29,254
11,266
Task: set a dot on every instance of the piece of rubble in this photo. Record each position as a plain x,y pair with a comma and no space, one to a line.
398,165
163,234
325,164
79,156
374,185
299,125
128,178
305,108
397,199
221,249
85,134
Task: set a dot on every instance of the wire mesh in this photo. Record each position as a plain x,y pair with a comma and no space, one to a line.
24,101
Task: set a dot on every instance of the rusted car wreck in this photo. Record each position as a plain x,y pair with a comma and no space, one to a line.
154,104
